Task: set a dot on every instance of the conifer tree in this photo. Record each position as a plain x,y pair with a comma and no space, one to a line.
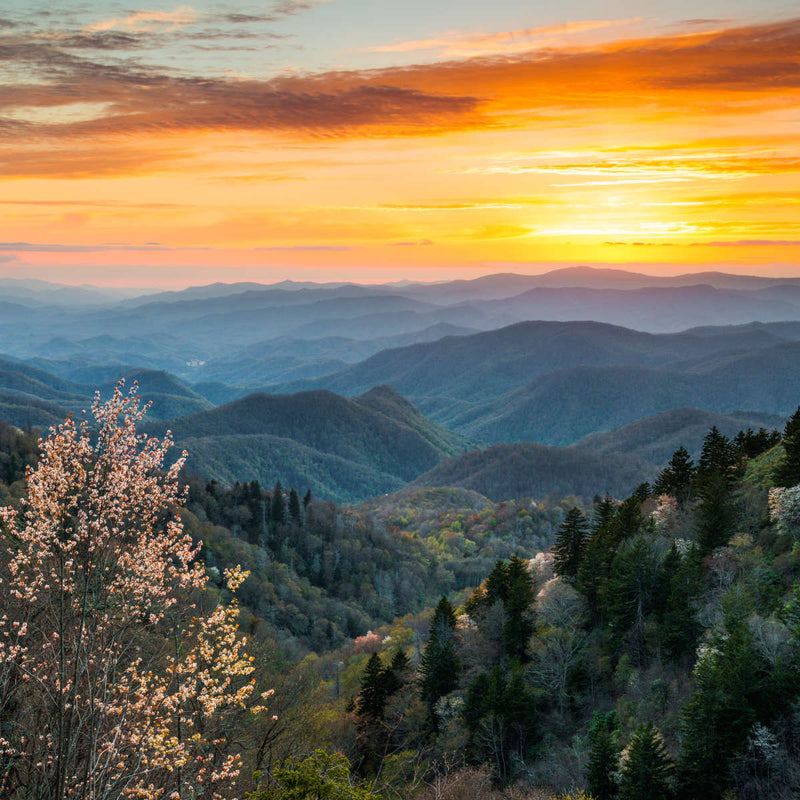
718,715
372,697
307,499
717,457
570,544
603,756
440,665
603,513
788,472
677,478
647,768
519,625
278,505
294,507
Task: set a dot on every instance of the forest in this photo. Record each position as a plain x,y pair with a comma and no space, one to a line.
431,644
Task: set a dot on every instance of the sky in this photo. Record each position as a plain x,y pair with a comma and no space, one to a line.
170,144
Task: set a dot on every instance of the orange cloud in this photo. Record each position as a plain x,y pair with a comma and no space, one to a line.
732,72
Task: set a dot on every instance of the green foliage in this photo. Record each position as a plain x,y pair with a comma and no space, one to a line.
440,666
788,471
570,544
647,768
511,585
603,756
320,776
677,478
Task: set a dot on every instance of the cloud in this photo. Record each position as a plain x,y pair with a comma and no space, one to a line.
461,45
32,247
420,243
146,20
732,72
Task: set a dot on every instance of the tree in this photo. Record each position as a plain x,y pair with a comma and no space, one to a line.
372,697
677,478
321,776
570,544
788,471
440,666
112,683
647,769
277,508
603,756
294,507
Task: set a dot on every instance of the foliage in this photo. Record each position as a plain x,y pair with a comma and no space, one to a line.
788,471
570,543
112,683
646,770
320,776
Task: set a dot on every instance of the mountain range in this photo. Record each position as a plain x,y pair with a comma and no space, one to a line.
357,390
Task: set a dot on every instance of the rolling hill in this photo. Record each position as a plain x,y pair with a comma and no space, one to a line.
347,449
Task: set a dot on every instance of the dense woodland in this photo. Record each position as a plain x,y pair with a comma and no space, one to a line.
436,644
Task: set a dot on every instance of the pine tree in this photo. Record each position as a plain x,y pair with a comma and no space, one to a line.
715,514
719,713
307,499
718,457
788,471
677,478
372,697
294,507
603,513
603,756
647,768
278,506
440,666
570,544
519,625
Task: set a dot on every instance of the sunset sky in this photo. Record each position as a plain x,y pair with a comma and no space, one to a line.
158,144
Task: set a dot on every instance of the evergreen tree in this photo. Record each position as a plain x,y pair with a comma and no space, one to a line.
307,499
570,544
628,595
519,625
718,457
603,513
647,768
294,507
719,713
372,697
278,505
677,478
603,756
680,580
715,514
440,666
788,471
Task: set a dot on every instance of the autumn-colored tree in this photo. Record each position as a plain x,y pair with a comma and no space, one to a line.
112,682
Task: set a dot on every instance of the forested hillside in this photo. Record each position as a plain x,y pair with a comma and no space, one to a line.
435,643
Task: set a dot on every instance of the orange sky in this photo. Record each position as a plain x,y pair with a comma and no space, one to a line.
668,150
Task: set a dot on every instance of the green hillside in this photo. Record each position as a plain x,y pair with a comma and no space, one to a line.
528,469
343,449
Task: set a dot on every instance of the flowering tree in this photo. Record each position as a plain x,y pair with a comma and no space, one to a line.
112,683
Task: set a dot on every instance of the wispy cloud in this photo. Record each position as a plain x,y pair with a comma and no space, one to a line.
468,45
147,20
43,247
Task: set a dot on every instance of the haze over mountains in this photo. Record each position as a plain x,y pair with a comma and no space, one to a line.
254,380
